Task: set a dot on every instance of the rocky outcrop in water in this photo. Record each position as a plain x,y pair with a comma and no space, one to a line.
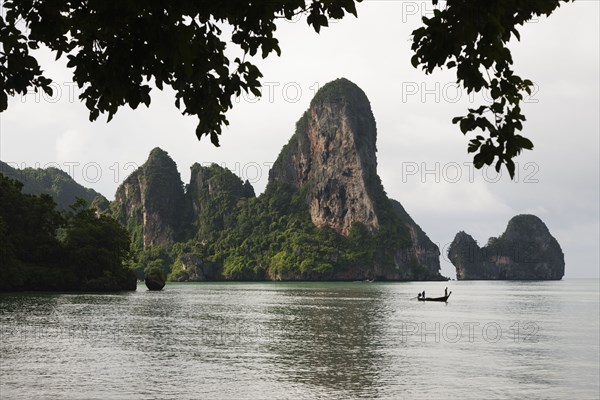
154,279
525,251
332,159
422,252
323,216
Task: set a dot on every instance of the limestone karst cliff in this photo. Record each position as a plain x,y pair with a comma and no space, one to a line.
323,216
332,159
214,193
334,152
525,251
160,215
151,202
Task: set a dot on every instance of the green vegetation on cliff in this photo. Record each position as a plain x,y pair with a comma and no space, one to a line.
249,238
214,192
237,236
63,189
272,237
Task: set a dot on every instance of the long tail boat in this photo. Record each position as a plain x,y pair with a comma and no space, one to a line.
443,298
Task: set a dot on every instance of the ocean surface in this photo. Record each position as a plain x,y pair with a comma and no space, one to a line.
492,340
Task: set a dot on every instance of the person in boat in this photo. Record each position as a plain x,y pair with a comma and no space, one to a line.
419,295
423,294
446,292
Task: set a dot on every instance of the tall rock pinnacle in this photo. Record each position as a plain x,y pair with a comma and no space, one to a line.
152,199
334,152
332,161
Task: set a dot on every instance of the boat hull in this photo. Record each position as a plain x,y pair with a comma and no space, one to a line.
443,299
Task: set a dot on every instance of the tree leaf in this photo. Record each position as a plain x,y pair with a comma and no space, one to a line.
214,138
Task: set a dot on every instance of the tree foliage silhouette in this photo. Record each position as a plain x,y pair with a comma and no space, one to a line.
471,36
118,49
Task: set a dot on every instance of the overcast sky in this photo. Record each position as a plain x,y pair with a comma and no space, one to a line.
422,157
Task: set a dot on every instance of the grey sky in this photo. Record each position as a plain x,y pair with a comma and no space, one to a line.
422,157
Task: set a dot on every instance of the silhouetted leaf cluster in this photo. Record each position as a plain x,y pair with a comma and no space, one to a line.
117,49
472,36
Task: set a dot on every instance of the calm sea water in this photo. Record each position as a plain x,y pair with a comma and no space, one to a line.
493,340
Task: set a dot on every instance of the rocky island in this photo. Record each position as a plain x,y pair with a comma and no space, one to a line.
525,251
323,216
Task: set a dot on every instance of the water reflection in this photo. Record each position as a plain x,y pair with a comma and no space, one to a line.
329,338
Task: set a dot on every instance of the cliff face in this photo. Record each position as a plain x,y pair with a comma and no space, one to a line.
333,153
213,193
152,200
332,160
420,249
526,250
465,254
323,216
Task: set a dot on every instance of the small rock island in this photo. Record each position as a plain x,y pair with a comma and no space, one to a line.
154,279
525,251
